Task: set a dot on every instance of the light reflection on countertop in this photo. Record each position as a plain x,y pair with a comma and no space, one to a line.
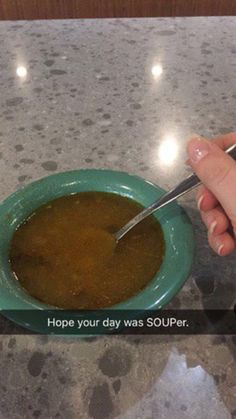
199,393
168,150
21,71
157,71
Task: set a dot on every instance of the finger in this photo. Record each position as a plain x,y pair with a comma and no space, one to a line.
205,199
225,141
216,221
223,244
217,171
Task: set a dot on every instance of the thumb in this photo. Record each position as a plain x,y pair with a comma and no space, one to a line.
217,171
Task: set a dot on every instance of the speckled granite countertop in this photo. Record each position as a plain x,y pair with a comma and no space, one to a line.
120,94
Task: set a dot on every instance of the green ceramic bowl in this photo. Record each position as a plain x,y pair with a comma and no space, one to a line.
175,223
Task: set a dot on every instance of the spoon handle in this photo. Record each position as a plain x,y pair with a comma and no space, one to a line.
185,186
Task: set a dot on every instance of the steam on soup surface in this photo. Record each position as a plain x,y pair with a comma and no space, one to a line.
65,254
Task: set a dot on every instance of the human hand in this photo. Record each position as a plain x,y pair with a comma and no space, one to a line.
216,198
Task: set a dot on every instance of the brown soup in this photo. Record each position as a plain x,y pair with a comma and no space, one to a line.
65,254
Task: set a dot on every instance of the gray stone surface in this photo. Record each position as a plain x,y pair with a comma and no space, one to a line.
93,97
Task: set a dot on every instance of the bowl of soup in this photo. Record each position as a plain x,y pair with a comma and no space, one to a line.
57,246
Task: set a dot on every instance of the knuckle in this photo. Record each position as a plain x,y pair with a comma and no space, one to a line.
220,175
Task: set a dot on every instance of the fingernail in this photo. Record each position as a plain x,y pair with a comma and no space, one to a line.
199,202
212,227
197,149
219,250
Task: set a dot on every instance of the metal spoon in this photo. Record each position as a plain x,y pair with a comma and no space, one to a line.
185,186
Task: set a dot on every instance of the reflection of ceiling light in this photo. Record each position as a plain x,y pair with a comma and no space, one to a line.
21,71
168,150
157,70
